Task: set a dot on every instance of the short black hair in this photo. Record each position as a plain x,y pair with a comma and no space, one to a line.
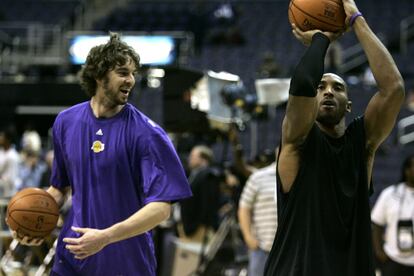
9,133
406,164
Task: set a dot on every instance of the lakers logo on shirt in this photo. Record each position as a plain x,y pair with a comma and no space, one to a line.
97,146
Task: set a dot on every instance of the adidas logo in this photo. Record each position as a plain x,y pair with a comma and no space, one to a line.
99,132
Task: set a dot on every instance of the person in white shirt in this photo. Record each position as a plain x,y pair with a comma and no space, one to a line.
258,217
9,163
393,219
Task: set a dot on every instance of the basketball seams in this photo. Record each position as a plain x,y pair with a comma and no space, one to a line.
333,1
291,12
313,17
336,4
293,15
16,199
34,211
31,194
29,229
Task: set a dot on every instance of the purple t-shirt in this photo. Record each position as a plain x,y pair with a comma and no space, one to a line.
114,166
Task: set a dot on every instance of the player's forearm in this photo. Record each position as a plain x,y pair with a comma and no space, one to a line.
57,194
244,215
377,241
142,221
302,107
382,65
308,72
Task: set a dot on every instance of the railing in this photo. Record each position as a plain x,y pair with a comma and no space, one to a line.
93,10
404,136
354,56
34,43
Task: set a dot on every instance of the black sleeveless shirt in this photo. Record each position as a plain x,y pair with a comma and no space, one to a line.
324,226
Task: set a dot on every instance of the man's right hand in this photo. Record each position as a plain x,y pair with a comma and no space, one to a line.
350,8
26,240
382,257
252,243
306,36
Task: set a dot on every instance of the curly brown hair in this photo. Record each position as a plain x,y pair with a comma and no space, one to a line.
102,59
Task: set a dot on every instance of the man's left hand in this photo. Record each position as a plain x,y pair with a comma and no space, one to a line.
306,36
90,242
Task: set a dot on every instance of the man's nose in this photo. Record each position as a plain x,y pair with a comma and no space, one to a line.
130,78
328,92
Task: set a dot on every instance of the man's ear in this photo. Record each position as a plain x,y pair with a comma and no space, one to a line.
349,106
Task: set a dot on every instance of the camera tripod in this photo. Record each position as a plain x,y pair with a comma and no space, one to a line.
227,226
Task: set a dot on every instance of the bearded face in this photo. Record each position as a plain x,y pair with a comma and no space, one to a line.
116,86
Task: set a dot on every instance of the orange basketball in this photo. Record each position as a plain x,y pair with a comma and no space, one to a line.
325,15
32,212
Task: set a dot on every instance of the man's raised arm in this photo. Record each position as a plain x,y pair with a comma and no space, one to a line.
383,108
302,106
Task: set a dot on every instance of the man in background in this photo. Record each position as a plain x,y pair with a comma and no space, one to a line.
392,225
258,216
9,162
199,214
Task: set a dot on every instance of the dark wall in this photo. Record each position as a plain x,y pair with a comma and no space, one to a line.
40,94
13,95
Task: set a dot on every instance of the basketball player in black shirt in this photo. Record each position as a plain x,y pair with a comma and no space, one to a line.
325,168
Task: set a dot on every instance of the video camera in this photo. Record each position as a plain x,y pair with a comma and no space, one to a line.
215,100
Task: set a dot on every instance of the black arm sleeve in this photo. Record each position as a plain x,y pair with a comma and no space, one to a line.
308,72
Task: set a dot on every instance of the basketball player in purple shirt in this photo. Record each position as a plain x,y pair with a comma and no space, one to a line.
121,167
